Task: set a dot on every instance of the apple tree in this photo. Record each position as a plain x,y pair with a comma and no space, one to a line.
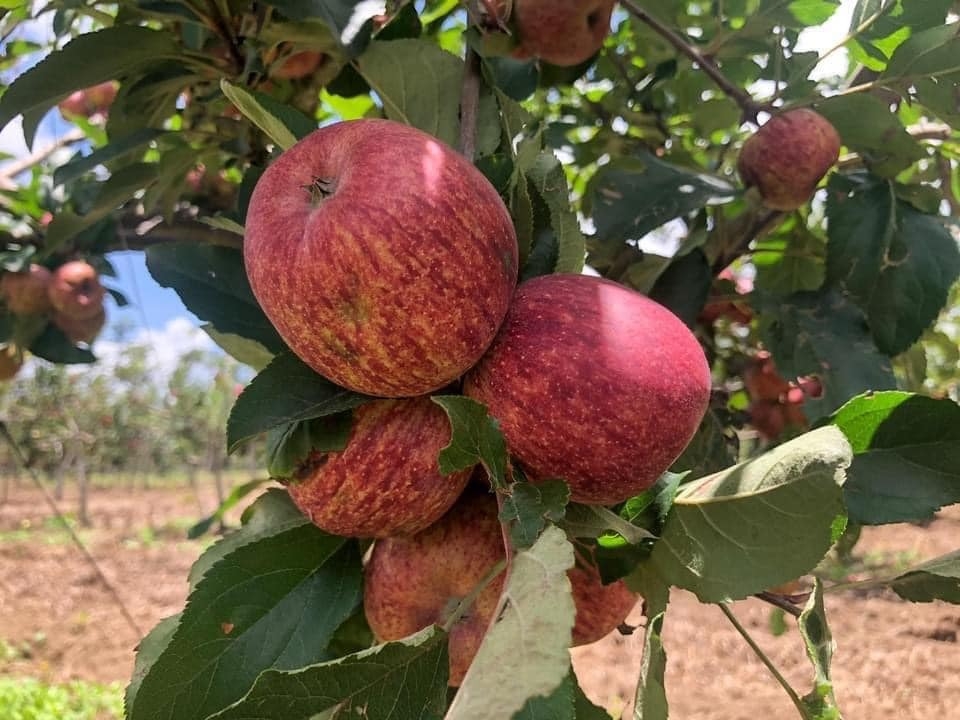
438,540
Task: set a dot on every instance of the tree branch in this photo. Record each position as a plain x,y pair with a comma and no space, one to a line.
470,104
12,169
749,106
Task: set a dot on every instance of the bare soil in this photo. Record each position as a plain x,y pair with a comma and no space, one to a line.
894,660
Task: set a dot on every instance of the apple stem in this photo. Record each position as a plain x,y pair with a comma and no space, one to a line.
751,108
320,189
469,104
779,602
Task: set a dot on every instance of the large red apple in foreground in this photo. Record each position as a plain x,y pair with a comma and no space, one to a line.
593,383
788,156
75,290
386,481
413,582
562,32
26,292
385,260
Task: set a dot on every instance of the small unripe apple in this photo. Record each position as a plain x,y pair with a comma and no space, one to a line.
11,360
788,156
25,293
561,32
593,383
81,329
384,258
75,290
386,481
298,65
416,581
89,101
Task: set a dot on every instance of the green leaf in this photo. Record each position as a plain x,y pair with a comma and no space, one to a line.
709,451
790,263
53,346
86,60
823,334
221,222
419,84
289,445
121,148
525,654
280,122
567,702
867,126
347,19
937,579
403,680
757,524
148,652
212,282
272,603
899,264
475,438
229,502
248,352
527,507
546,176
286,391
631,196
818,643
592,521
927,54
651,699
906,463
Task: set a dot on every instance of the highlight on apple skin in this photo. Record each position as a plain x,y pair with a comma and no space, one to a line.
593,383
413,582
384,258
75,290
561,32
788,156
386,481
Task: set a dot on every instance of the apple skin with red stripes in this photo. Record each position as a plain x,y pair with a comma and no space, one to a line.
385,260
593,383
387,480
562,32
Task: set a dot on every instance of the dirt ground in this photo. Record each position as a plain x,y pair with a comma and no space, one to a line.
894,660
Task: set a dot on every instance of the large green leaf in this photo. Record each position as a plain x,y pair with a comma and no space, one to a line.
567,702
937,579
403,680
757,524
651,698
419,84
86,60
547,178
525,654
899,264
932,53
347,19
630,196
212,283
286,391
527,508
272,603
906,463
280,122
121,148
475,438
823,334
53,346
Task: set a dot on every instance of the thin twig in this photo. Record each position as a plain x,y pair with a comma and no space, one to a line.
780,602
11,170
470,105
750,107
764,659
111,590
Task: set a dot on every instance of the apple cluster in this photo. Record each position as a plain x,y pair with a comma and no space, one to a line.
71,297
776,404
388,263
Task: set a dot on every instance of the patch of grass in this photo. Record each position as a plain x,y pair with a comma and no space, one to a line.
31,699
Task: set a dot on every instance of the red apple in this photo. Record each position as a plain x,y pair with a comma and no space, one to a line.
593,383
298,65
75,290
25,293
562,32
788,156
385,260
81,329
11,360
89,101
386,481
413,582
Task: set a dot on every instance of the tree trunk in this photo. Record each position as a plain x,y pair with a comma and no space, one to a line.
81,466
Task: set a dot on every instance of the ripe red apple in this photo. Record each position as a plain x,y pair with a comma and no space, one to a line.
11,360
415,581
386,481
562,32
89,101
298,65
25,293
788,156
385,260
75,290
81,329
593,383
